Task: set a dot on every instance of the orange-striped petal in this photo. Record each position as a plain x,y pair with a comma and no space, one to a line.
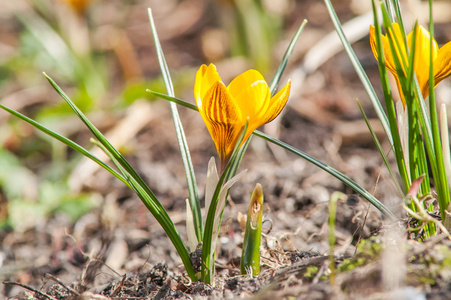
225,110
206,77
223,120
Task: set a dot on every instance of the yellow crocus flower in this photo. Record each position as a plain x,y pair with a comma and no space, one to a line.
78,5
441,57
225,110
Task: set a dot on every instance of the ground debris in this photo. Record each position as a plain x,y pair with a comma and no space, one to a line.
428,275
158,274
299,256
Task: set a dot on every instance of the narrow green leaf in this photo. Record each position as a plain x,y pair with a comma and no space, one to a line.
181,138
416,148
275,81
100,137
389,104
416,153
139,186
381,152
411,66
65,141
167,224
444,134
397,10
360,72
174,100
343,178
441,179
390,9
237,162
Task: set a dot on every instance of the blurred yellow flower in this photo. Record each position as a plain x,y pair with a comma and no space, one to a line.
226,109
441,57
78,5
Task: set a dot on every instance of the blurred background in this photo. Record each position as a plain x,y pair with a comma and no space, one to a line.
102,54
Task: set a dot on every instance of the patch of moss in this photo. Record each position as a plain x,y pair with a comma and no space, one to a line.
350,264
430,268
311,272
367,251
446,252
370,247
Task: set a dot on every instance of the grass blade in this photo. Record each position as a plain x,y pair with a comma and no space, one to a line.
98,134
340,176
441,180
181,138
381,152
360,72
174,100
65,141
138,185
444,134
275,81
389,103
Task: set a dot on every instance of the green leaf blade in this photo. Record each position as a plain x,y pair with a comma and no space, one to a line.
181,138
340,176
360,72
278,75
137,184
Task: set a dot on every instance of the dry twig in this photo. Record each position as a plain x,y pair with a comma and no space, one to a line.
30,289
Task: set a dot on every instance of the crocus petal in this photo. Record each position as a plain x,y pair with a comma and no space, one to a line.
442,64
206,77
373,41
401,94
278,102
441,57
226,110
422,56
253,103
389,61
197,85
251,94
78,5
399,45
243,82
223,119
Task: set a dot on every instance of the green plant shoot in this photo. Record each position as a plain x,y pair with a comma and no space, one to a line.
250,255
